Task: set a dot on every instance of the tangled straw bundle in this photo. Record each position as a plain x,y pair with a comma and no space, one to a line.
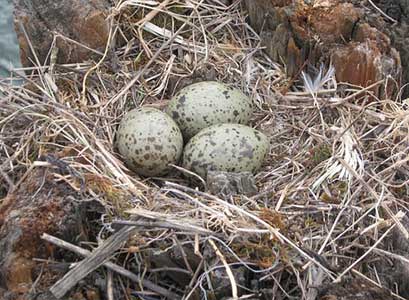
334,185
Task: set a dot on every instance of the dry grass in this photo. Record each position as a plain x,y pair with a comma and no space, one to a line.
335,182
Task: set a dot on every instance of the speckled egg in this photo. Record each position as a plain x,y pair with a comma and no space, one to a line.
225,147
149,140
207,103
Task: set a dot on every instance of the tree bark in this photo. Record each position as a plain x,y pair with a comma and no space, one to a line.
303,36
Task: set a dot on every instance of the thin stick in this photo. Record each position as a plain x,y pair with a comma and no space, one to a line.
63,37
110,283
107,47
382,13
184,256
194,279
361,91
338,279
153,13
229,272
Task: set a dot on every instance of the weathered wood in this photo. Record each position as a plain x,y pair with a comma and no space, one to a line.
118,269
304,34
163,224
92,262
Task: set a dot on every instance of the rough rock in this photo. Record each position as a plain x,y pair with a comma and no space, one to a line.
83,21
304,34
36,206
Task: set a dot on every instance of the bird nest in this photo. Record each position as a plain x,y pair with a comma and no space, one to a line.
331,195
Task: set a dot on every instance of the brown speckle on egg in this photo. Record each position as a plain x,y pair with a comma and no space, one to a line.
213,148
156,141
207,103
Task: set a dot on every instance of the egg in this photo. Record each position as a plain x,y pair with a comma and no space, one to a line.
149,140
207,103
226,147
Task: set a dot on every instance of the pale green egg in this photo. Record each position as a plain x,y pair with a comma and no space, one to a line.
149,140
207,103
226,147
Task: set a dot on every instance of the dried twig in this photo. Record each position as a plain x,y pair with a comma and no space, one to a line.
110,287
228,270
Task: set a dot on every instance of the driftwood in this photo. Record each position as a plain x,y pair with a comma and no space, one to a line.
111,266
93,261
304,34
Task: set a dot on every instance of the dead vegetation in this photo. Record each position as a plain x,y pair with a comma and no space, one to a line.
332,194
